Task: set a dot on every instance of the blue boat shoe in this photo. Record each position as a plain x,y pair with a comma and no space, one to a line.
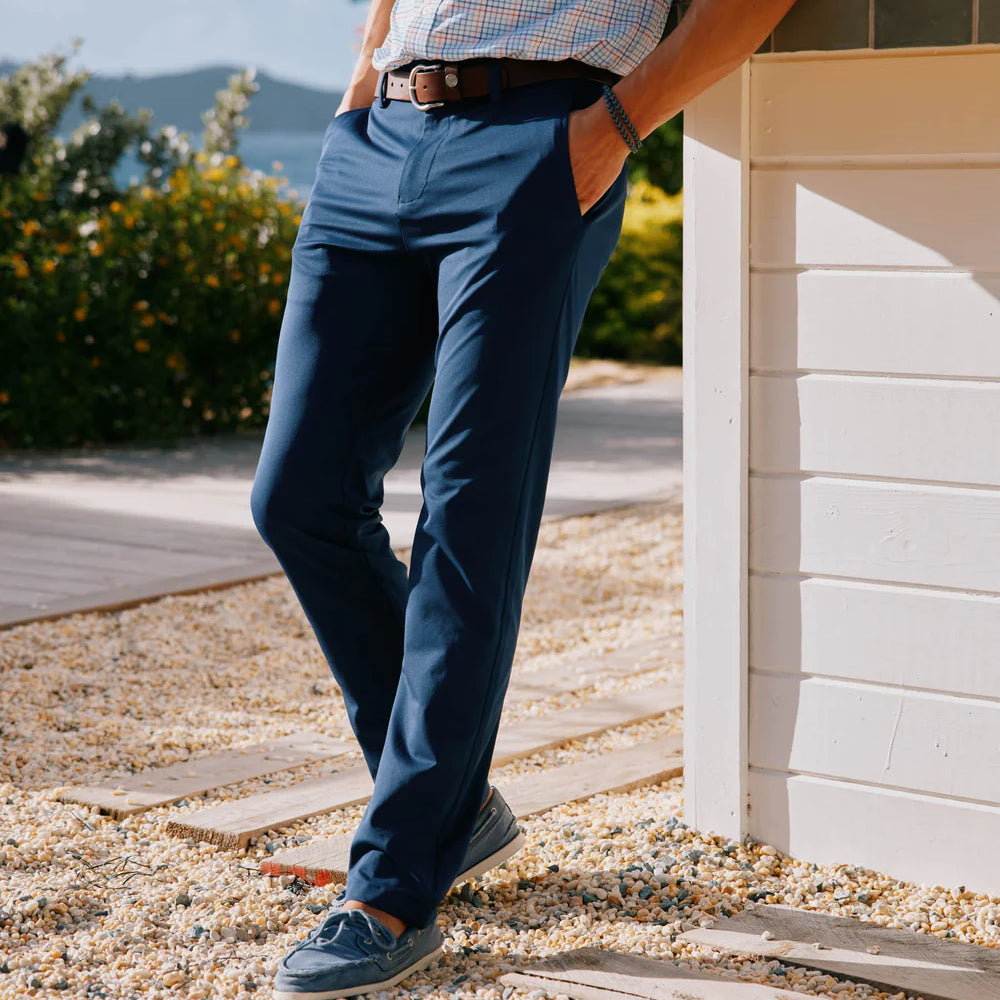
350,953
495,838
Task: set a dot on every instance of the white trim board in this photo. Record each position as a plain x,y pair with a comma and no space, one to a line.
716,360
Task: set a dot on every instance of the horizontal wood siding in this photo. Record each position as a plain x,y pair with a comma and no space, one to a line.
874,462
877,734
900,428
875,103
924,838
839,320
882,633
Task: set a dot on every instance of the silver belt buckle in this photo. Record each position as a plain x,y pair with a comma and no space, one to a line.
413,87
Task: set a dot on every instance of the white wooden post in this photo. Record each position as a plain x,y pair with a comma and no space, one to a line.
716,358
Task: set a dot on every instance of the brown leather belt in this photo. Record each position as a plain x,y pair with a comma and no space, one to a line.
429,84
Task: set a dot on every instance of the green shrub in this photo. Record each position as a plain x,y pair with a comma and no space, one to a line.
152,317
635,311
144,313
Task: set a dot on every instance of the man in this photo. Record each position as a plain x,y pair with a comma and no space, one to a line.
459,222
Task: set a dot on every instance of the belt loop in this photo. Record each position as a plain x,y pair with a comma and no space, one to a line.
494,82
383,79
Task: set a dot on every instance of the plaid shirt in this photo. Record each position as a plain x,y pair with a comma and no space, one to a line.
613,34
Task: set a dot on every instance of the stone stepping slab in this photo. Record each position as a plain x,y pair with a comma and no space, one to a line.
324,861
593,974
125,794
232,824
888,958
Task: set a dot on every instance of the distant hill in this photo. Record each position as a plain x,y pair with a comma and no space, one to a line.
180,98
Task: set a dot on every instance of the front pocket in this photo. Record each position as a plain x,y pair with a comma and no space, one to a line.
566,164
562,153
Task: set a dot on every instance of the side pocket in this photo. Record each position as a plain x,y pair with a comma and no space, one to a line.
566,164
561,144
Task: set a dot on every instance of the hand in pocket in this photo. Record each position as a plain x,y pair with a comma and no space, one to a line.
596,153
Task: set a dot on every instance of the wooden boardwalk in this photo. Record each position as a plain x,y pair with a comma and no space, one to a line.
106,528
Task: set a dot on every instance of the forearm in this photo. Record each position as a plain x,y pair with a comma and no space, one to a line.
365,76
713,38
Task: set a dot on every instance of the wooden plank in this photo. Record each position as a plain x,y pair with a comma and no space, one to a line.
864,425
232,824
939,536
921,964
892,217
892,322
126,794
324,861
882,633
595,974
878,735
907,835
128,596
716,354
825,105
532,735
586,671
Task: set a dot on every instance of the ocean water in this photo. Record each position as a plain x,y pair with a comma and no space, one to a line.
296,152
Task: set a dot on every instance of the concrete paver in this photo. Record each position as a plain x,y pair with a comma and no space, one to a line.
116,525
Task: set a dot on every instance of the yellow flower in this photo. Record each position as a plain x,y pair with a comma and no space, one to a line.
31,227
148,319
220,227
116,207
39,195
61,337
130,222
297,220
211,280
232,162
95,362
274,307
164,317
64,248
175,361
265,267
234,336
80,314
206,205
146,192
142,346
140,306
4,398
22,270
96,249
48,267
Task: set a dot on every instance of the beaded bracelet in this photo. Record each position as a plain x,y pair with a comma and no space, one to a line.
622,120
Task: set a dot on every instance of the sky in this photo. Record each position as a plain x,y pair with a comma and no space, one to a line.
314,42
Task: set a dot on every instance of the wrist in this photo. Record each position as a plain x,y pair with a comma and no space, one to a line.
364,80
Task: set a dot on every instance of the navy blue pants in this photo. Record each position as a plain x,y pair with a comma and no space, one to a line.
443,245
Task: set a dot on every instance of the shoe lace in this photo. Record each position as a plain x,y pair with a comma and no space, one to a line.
353,927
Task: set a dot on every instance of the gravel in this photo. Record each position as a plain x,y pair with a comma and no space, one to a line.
91,907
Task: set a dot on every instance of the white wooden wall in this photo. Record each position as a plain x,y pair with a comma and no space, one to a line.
843,596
